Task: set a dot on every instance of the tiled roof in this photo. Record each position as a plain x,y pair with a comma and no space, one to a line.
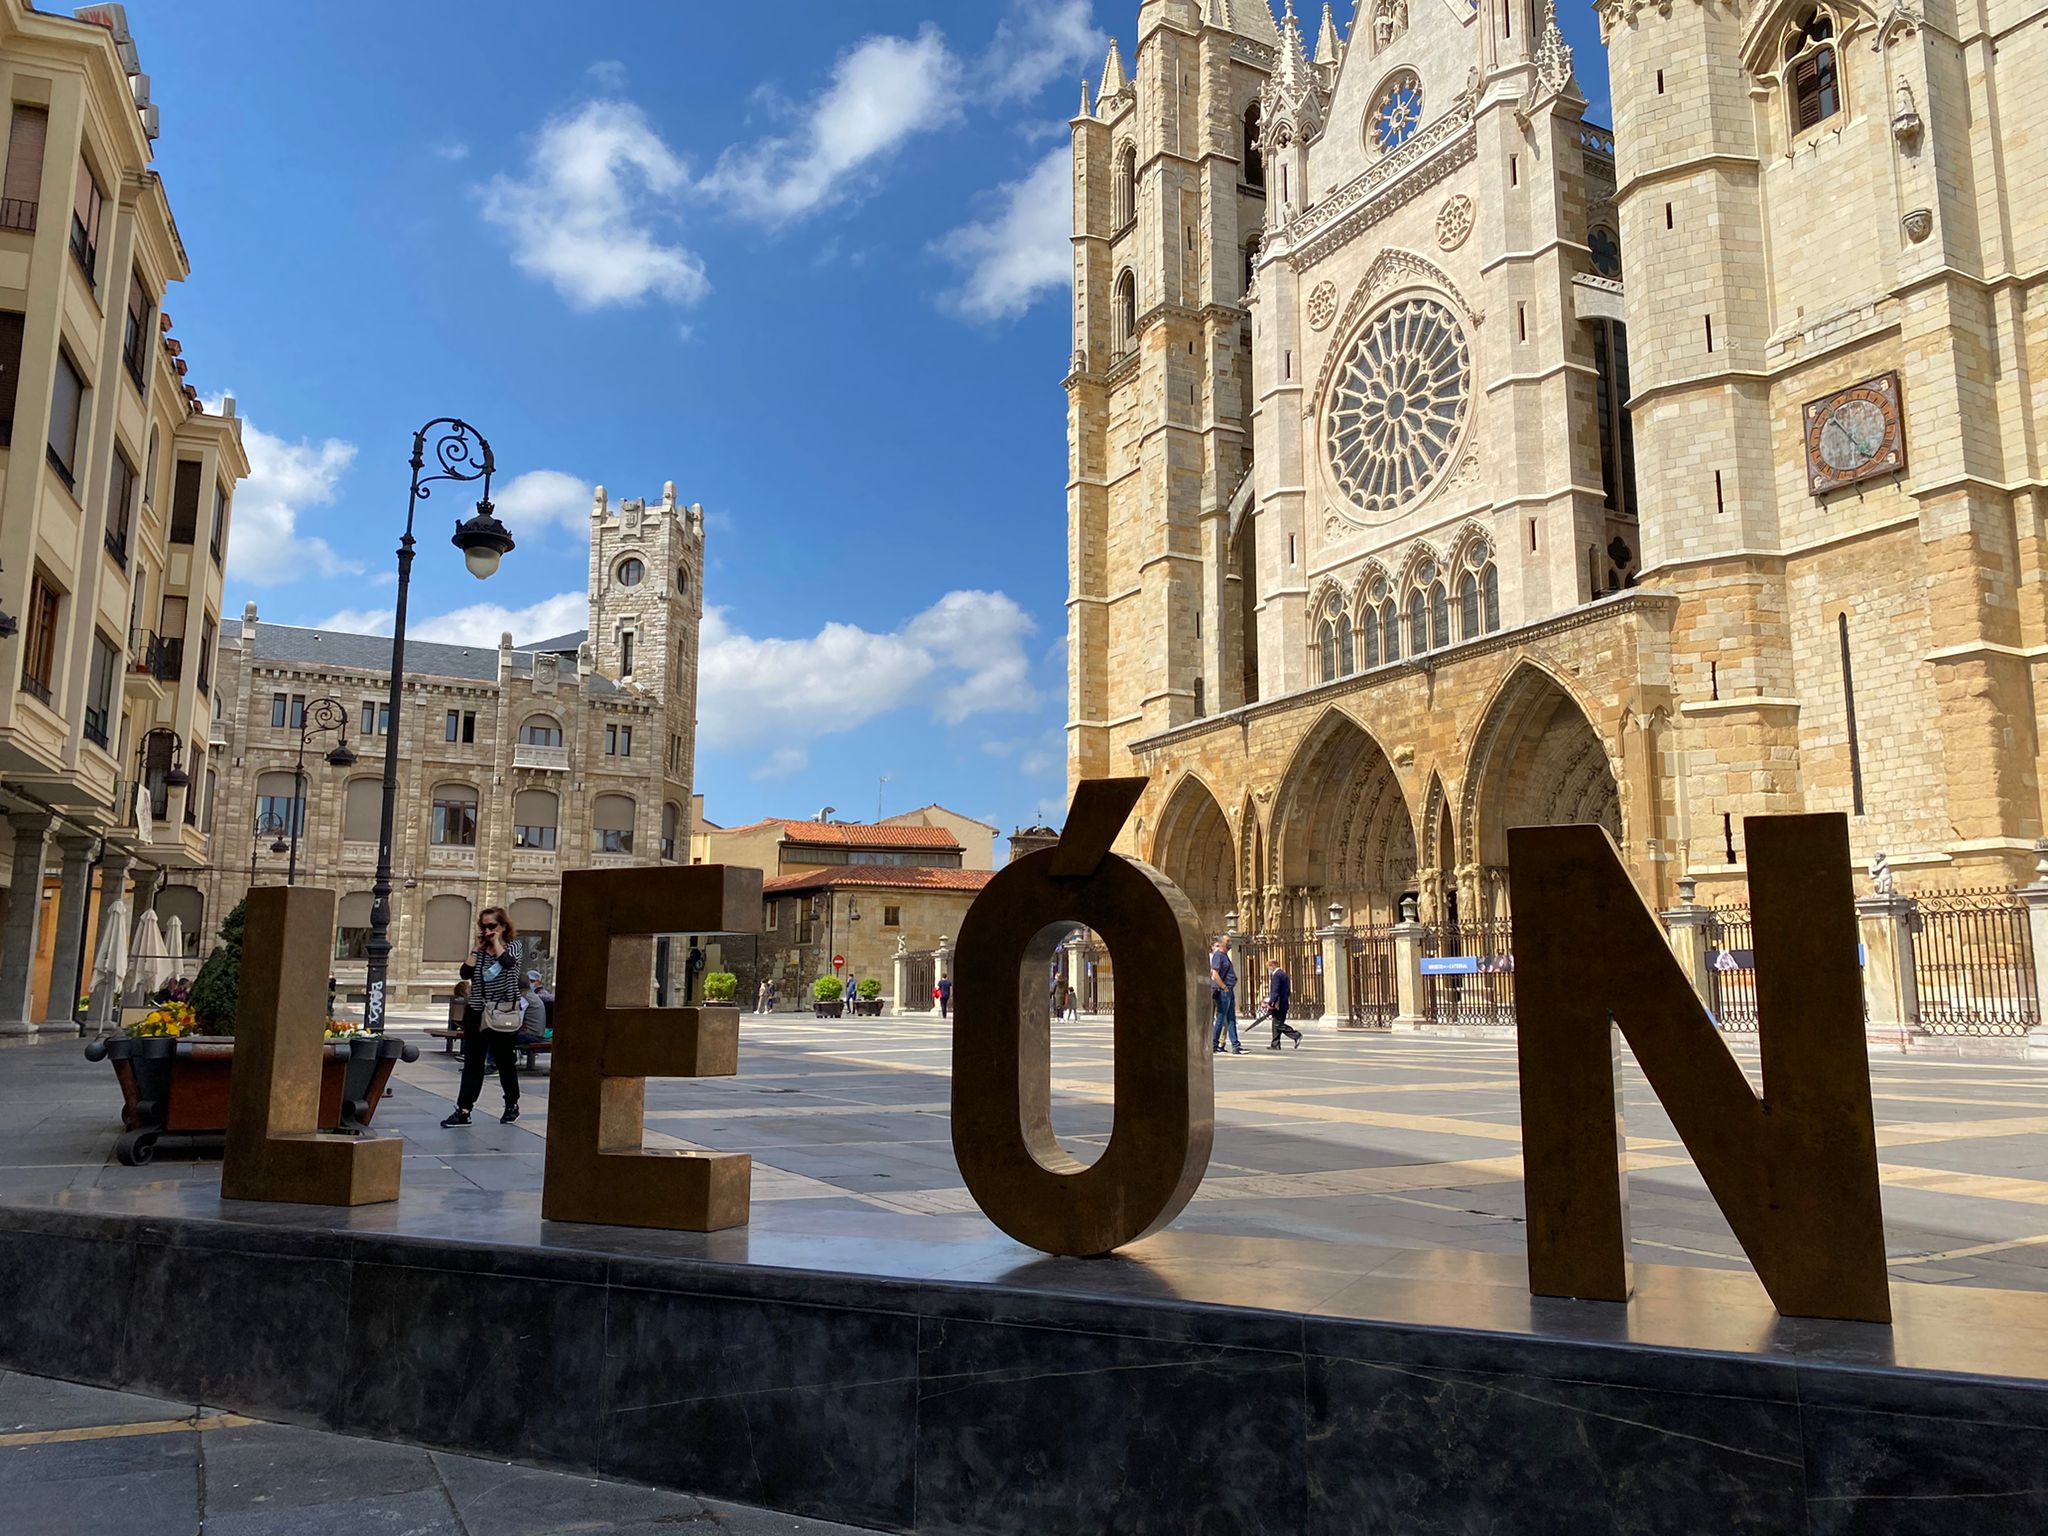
559,645
854,834
918,810
289,645
901,877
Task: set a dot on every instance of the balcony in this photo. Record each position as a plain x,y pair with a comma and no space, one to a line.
151,655
17,213
526,754
451,856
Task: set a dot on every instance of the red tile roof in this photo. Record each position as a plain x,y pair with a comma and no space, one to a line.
894,876
854,834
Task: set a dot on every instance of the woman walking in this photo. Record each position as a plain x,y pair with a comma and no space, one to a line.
490,1024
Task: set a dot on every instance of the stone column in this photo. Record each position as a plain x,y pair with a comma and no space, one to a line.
1889,989
24,912
74,890
1336,945
1077,973
1408,939
106,999
899,981
942,960
1686,929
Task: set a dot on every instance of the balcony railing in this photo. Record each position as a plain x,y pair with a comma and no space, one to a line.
151,655
96,726
37,688
526,754
17,213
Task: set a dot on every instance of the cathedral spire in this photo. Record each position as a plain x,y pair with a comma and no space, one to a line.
1112,74
1085,108
1329,52
1247,18
1292,76
1553,57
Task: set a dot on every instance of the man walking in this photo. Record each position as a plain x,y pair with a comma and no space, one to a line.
1223,994
944,993
1278,993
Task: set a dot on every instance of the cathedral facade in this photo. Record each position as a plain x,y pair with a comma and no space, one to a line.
1441,463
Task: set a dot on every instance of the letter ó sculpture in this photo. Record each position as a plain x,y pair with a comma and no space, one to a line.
1002,1040
1795,1172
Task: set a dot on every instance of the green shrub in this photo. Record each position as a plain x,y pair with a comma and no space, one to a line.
870,989
827,989
720,986
217,990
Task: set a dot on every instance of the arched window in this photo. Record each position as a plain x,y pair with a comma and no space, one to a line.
454,816
1812,84
188,905
671,819
445,934
1254,162
1326,642
1369,639
1418,623
1439,616
1126,311
540,731
683,578
274,798
1347,649
1390,632
352,926
1489,595
1468,606
535,920
535,813
611,824
1126,192
362,813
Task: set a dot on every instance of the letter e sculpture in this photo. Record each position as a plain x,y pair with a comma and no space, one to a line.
597,1168
275,1150
1795,1172
1002,1040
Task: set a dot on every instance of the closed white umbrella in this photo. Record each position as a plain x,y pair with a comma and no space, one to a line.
109,960
142,821
147,969
174,948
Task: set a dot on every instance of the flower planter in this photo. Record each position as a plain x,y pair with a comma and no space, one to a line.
180,1087
828,1010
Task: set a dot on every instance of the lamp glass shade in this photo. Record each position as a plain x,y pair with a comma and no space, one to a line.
482,561
177,778
341,757
280,846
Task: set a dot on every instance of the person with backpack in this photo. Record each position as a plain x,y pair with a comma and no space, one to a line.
1223,995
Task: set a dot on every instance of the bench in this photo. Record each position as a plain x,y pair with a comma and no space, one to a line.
528,1049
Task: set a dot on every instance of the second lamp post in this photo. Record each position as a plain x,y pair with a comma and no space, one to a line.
320,717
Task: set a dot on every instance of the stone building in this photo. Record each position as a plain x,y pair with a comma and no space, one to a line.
115,511
517,763
1439,464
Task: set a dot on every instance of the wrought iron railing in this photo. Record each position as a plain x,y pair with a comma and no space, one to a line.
151,655
1731,969
1468,974
1374,992
920,976
1300,954
1973,964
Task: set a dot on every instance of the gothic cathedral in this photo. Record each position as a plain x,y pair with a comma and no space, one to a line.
1441,463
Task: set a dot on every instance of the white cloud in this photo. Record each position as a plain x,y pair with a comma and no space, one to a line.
580,219
965,653
452,150
609,75
782,763
884,90
1021,253
545,497
266,547
1040,41
479,624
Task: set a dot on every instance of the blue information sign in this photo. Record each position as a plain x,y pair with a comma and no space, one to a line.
1450,965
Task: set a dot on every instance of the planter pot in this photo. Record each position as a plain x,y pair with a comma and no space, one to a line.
828,1010
181,1087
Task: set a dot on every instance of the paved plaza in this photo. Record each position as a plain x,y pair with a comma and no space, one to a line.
1376,1141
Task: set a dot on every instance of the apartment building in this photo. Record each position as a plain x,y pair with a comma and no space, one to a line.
116,496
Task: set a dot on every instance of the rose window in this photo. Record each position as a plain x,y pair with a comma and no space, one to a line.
1398,405
1398,113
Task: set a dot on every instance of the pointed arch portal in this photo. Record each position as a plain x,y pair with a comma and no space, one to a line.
1342,831
1193,850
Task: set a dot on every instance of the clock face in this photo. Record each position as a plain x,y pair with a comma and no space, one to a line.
1854,434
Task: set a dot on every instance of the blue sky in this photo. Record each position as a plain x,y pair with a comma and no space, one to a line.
808,262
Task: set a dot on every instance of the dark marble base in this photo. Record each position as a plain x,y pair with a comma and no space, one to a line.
1427,1397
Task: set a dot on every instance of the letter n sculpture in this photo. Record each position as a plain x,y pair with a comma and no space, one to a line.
598,1169
1794,1171
275,1148
1002,1040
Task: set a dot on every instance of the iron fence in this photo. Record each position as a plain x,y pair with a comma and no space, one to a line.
920,980
1973,964
1731,969
1375,996
1468,974
1299,954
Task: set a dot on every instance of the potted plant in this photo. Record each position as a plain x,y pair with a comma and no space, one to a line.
870,996
826,992
720,986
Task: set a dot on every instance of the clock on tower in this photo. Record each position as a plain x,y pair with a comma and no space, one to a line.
1855,434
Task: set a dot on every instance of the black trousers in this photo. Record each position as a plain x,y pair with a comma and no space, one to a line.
1280,1027
500,1046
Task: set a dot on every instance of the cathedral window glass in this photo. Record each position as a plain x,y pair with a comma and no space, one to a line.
1398,404
1397,113
1390,632
1468,607
1254,162
1418,623
1811,77
1439,616
1489,596
1369,640
1125,192
1326,642
1347,650
1126,312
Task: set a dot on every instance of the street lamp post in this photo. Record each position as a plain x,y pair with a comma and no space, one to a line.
175,777
320,716
459,452
266,821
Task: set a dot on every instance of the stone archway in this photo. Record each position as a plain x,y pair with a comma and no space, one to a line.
1193,849
1342,830
1537,762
